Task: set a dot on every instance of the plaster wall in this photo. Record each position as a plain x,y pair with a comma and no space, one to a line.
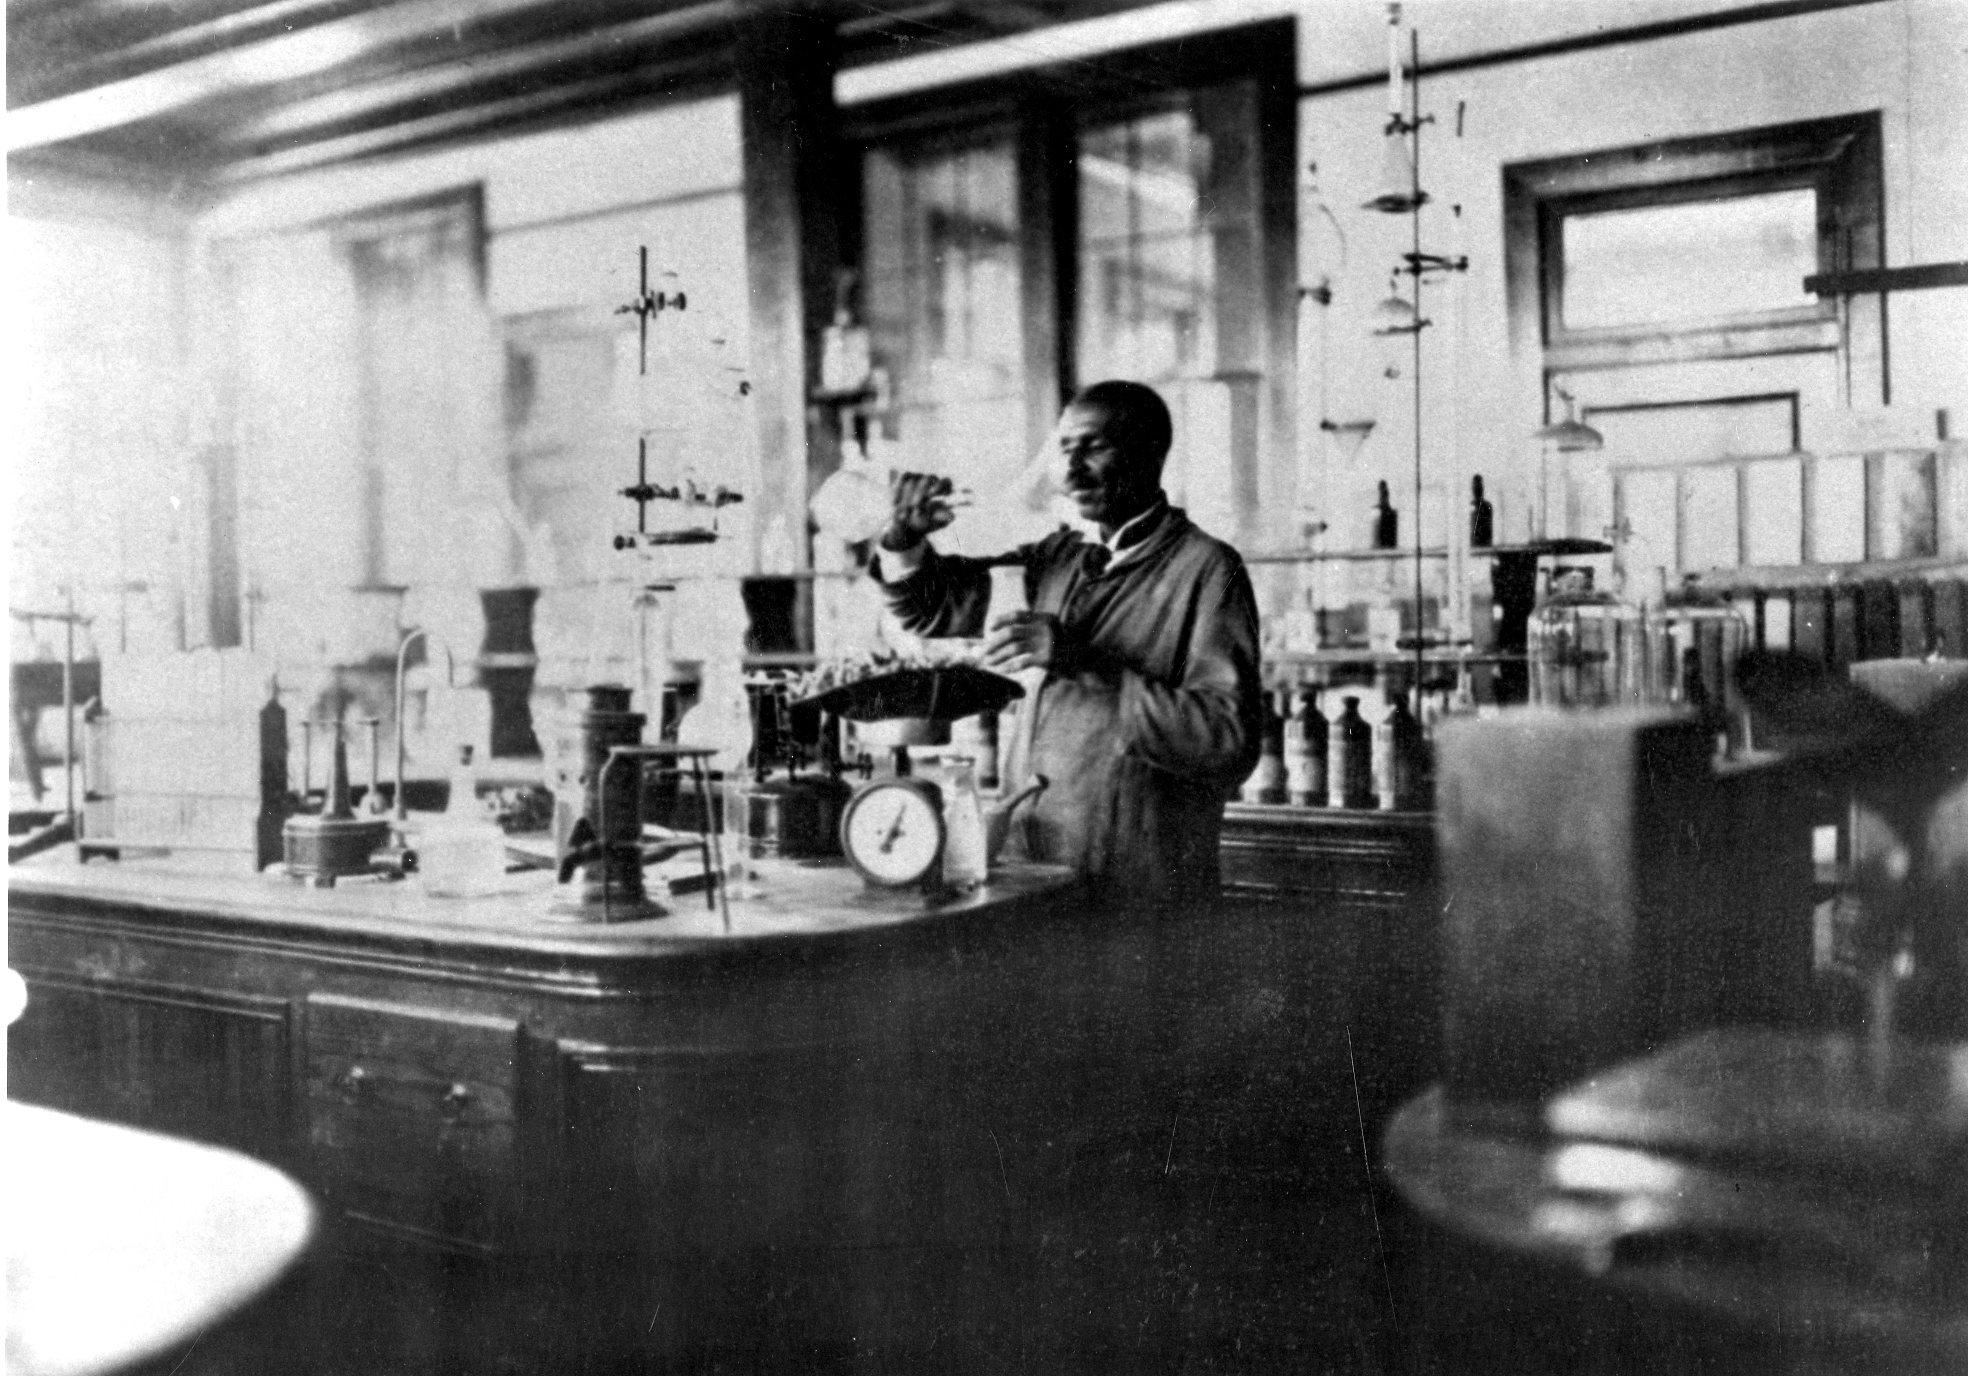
1907,59
105,499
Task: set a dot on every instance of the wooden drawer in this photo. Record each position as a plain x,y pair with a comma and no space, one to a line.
409,1117
1331,859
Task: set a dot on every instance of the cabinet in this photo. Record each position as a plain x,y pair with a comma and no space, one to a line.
408,1118
1366,881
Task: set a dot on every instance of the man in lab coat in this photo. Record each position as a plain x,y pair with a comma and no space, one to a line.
1142,632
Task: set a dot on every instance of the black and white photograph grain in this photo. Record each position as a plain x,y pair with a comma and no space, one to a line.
986,687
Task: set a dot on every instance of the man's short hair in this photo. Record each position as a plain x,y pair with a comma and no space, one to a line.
1138,418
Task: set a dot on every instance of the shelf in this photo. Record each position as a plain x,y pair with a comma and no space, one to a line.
1559,546
1438,655
859,397
1808,577
1345,556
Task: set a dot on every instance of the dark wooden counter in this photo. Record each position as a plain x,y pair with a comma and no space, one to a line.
1005,1133
1367,881
479,1078
1344,859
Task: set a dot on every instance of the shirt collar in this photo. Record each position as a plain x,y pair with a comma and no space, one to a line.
1131,535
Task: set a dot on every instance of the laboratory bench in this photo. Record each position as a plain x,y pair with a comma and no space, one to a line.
1367,881
854,1130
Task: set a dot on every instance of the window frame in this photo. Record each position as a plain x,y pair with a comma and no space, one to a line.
1048,108
1839,158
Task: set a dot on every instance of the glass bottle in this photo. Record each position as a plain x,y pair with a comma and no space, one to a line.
1397,751
1267,782
1349,757
1482,516
965,860
1305,753
1386,522
462,852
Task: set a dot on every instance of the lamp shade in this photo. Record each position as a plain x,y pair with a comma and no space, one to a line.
1395,316
1398,193
1569,436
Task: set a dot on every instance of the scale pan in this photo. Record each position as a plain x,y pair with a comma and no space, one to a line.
947,693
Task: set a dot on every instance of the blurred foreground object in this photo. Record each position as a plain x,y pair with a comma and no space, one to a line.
121,1244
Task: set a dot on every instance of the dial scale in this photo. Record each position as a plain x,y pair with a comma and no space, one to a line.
892,832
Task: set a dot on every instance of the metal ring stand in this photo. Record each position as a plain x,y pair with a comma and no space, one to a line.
712,851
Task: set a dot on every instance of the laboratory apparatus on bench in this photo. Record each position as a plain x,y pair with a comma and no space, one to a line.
334,843
895,828
701,398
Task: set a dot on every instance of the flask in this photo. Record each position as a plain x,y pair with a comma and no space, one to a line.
462,852
1305,753
1267,782
964,852
1386,522
1349,757
1482,516
721,720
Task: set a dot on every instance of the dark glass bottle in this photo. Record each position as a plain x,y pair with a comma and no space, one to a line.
1305,753
1386,522
1349,758
1267,782
1482,516
1397,757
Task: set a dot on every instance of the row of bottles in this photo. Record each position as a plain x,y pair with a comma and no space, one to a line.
1318,754
1384,526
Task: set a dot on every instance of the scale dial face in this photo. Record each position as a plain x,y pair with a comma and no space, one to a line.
892,831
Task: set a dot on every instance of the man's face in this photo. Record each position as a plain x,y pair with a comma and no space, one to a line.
1109,482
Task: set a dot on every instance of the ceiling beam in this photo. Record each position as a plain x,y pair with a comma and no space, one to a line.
1007,15
617,90
571,54
269,62
190,40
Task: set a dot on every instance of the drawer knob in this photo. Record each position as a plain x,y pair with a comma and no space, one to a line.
354,1081
455,1099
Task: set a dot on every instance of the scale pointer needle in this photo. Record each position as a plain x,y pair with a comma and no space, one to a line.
894,830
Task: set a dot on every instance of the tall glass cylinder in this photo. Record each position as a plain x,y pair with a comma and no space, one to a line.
1694,641
1587,648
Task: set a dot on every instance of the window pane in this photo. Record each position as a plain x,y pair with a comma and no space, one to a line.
1147,275
1698,260
943,308
943,264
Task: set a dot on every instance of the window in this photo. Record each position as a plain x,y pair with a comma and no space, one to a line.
1147,271
1131,217
1694,248
942,262
1688,263
1662,289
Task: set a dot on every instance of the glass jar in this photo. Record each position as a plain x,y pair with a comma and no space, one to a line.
1694,640
1586,646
